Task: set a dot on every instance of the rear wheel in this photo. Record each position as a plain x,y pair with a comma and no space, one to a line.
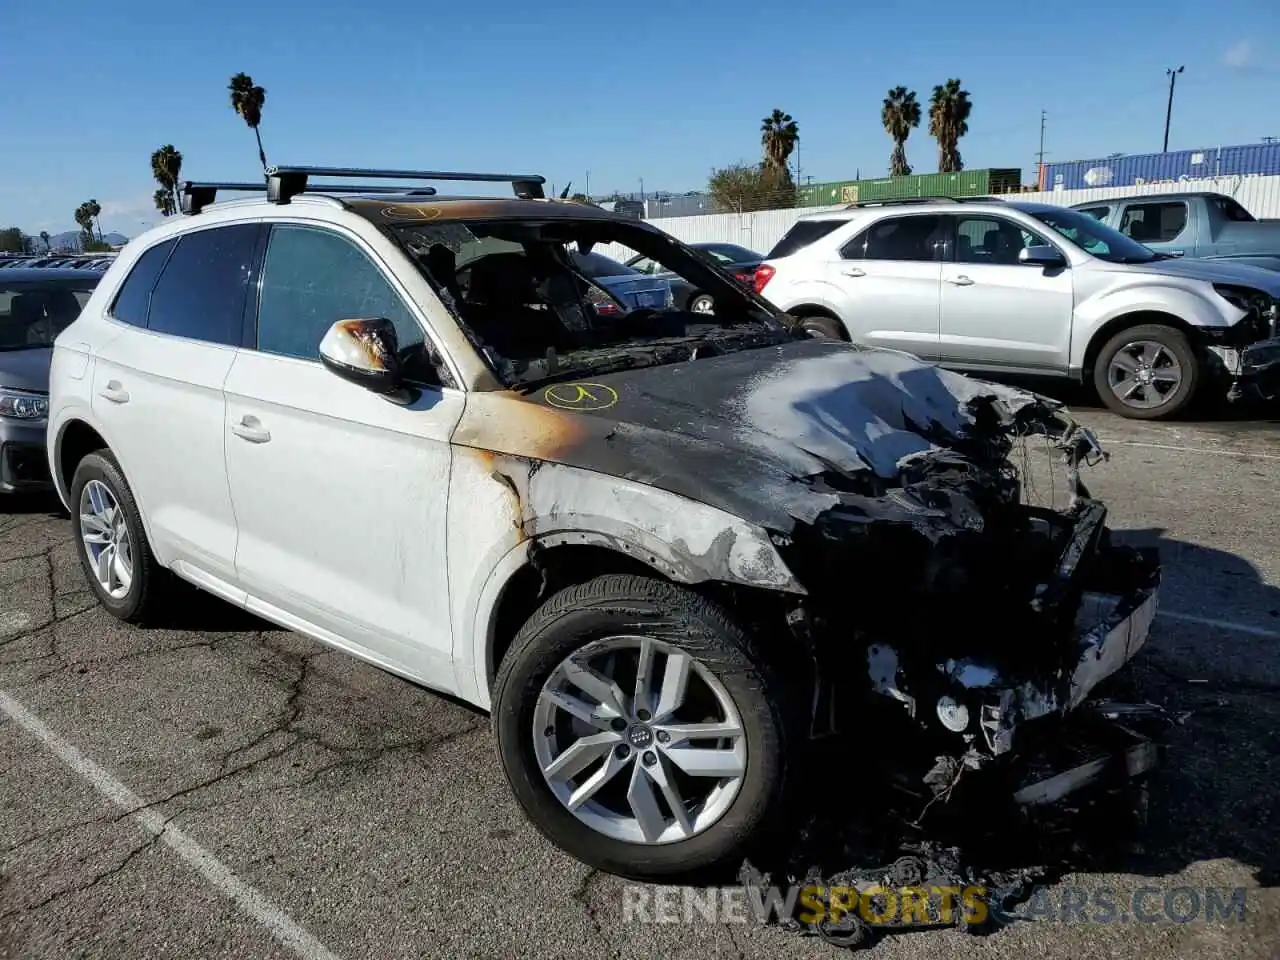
111,541
702,303
821,325
641,730
1147,372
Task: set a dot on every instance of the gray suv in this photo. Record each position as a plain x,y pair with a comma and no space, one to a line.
35,306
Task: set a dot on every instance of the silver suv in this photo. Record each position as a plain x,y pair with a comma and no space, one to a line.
1031,288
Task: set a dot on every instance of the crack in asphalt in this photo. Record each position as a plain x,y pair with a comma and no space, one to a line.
28,909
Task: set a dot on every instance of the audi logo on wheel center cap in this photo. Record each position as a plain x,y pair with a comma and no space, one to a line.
640,736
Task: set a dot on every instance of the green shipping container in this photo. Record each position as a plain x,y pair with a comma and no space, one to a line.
964,183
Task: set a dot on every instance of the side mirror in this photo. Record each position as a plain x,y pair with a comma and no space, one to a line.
365,352
1042,256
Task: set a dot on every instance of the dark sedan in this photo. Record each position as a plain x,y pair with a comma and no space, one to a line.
36,304
740,262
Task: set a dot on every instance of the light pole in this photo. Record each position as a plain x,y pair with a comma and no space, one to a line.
1168,113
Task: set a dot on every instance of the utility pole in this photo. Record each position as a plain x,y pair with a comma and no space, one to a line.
1168,113
587,189
1040,154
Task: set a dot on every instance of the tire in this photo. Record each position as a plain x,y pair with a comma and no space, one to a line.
1173,344
624,606
144,594
823,326
701,300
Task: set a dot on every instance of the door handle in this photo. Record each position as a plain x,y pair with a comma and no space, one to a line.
114,392
854,272
1177,253
249,428
960,281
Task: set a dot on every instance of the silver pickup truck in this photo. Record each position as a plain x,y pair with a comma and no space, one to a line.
1202,225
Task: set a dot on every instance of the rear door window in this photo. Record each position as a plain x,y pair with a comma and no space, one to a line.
910,238
202,291
1154,222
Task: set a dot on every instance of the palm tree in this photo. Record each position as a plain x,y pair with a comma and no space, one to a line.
85,220
166,167
247,101
44,235
949,109
779,135
164,203
93,209
900,114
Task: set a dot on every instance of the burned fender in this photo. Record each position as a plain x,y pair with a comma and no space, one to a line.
688,541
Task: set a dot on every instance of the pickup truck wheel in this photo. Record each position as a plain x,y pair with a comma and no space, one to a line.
1147,372
111,541
641,730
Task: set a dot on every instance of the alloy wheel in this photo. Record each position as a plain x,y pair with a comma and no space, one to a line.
1144,374
639,741
106,539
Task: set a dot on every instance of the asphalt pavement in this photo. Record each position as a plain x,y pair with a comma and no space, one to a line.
222,788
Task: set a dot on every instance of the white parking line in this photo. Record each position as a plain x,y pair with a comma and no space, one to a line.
249,900
1207,450
1222,624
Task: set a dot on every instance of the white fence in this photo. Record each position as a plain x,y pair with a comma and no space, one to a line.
760,231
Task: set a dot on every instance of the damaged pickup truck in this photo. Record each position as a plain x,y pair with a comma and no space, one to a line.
662,548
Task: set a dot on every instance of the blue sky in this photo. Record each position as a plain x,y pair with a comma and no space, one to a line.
662,91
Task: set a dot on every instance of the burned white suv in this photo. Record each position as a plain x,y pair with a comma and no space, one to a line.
661,547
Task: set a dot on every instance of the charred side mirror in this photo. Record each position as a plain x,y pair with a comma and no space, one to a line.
365,352
1042,256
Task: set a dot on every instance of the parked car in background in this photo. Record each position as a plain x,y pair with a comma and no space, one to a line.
35,306
1030,288
1202,225
737,260
632,289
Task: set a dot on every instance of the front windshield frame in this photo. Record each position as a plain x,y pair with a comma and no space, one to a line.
745,321
1120,248
81,288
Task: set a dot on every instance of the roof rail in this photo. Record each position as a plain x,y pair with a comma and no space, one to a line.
284,183
197,196
904,201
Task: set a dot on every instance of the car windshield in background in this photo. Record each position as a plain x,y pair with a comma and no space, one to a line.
538,310
34,312
1095,237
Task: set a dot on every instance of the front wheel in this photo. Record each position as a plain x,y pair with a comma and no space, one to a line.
1147,372
641,730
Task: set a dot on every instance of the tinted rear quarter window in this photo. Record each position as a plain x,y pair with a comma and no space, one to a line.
802,234
201,293
135,294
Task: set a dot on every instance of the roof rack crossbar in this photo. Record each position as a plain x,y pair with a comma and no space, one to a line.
286,182
197,196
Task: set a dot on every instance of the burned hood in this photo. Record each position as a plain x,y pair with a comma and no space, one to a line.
761,432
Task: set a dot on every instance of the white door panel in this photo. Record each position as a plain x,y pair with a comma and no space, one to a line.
1002,315
160,400
887,303
341,499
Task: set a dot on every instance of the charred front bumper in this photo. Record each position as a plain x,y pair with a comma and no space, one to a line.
1259,376
1011,627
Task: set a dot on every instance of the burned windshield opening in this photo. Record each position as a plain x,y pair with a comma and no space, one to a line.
551,298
